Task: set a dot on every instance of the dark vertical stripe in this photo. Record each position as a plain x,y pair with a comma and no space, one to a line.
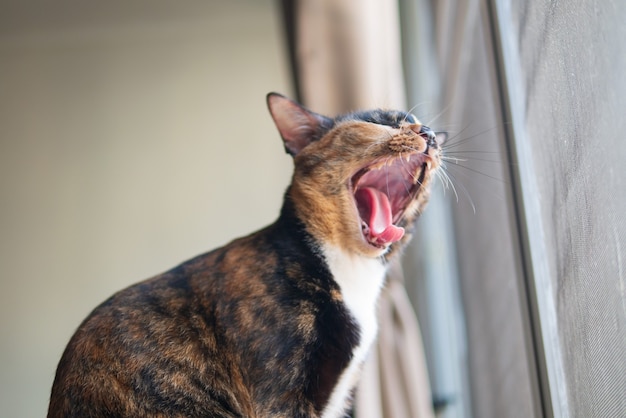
289,10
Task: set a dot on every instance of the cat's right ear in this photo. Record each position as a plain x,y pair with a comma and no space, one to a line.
297,126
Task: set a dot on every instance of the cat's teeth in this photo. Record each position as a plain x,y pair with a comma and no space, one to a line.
408,158
428,165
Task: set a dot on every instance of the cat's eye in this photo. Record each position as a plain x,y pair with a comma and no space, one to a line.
431,137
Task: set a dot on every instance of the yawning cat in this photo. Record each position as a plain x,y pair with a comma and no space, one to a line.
278,323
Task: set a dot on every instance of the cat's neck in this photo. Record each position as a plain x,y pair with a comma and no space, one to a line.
360,280
359,277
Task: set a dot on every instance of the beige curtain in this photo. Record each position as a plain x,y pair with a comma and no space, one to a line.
348,53
348,56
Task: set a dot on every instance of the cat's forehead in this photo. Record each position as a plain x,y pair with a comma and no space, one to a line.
393,118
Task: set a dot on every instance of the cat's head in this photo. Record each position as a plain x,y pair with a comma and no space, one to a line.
360,179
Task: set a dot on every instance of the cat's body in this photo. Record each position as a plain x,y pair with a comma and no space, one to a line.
276,324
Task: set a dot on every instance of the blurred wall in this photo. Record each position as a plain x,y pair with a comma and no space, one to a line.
132,137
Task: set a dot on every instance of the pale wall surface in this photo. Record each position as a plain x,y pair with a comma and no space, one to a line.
132,137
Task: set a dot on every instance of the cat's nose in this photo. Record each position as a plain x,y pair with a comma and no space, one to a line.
429,135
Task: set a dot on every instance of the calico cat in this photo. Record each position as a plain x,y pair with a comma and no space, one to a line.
278,323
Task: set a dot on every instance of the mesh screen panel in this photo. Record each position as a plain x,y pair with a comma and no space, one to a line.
543,261
573,62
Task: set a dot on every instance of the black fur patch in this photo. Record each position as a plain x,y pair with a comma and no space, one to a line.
391,118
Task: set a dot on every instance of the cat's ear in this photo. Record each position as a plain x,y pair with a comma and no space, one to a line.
297,126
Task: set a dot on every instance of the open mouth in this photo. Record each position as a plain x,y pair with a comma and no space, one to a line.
382,192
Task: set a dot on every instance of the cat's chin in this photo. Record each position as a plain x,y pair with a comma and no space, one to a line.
383,191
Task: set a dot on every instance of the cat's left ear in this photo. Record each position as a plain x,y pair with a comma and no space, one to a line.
297,126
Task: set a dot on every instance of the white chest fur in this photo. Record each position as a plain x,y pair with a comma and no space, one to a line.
360,280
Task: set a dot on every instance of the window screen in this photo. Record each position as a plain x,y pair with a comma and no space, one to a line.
534,97
562,66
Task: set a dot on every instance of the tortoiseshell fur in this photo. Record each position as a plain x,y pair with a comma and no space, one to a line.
262,327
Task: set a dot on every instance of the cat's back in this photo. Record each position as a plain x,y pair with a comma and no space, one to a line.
234,332
156,349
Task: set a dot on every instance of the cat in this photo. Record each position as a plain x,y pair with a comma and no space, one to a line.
278,323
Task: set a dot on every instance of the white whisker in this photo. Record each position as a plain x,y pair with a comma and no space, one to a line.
443,172
455,160
465,191
438,115
409,112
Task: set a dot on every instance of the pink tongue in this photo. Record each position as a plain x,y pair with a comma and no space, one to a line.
375,209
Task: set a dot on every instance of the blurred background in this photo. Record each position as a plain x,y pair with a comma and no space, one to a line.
133,136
